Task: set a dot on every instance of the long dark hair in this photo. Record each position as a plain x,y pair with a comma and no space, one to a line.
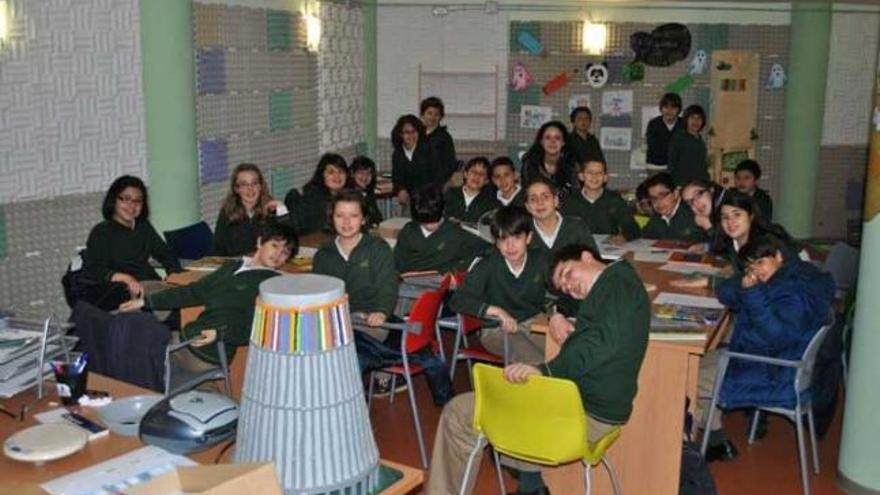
328,160
534,158
397,139
108,207
759,226
361,162
232,205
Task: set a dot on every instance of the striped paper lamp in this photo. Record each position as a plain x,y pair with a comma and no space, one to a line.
302,404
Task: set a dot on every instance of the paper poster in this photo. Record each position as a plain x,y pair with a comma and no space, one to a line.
579,100
534,116
648,113
617,103
638,159
616,138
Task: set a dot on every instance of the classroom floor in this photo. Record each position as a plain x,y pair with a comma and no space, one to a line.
769,467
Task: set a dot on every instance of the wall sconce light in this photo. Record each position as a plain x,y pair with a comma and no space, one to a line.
4,22
313,32
594,38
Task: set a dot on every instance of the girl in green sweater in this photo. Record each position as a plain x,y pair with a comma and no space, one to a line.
331,176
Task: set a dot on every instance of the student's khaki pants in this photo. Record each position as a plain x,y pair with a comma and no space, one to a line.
524,345
456,439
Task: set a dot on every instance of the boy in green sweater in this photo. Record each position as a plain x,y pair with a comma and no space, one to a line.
745,178
583,143
605,211
553,231
468,203
430,243
508,286
672,219
602,352
505,178
228,294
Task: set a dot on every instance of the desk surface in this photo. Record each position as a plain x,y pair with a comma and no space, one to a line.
28,475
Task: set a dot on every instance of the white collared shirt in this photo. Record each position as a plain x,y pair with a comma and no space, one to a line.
514,272
409,153
342,251
467,198
506,201
427,233
592,201
671,215
248,263
670,126
550,239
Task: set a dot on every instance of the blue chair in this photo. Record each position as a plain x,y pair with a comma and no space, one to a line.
192,242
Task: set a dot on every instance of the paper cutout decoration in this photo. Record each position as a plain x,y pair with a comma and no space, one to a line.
557,83
663,46
680,84
777,77
634,71
698,63
615,138
617,103
529,42
534,116
723,66
520,77
579,100
596,75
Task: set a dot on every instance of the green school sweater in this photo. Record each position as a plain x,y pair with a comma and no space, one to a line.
455,207
229,301
490,283
681,227
585,149
764,202
449,249
573,231
312,209
604,353
369,275
687,158
444,149
424,168
518,199
113,247
607,215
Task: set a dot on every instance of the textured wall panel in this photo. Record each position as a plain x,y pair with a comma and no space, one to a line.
839,190
71,111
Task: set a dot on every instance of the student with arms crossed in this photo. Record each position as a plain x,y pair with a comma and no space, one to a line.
228,294
508,191
468,203
661,128
584,145
437,136
430,243
672,219
601,352
603,210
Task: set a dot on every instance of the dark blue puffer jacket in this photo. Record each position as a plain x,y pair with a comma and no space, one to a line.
775,319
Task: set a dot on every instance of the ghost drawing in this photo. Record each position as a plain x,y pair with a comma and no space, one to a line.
776,80
698,63
520,78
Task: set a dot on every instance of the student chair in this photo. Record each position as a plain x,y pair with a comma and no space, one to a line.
192,242
803,406
418,334
541,421
179,380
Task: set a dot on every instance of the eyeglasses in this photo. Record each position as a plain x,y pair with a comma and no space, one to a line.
132,200
659,197
690,201
245,185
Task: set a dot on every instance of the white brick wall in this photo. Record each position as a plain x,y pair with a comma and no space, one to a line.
341,77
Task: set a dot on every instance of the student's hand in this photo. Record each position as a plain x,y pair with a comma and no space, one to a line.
376,319
617,240
560,328
749,280
691,283
134,287
272,205
703,222
519,372
209,335
697,248
403,197
726,271
132,305
508,323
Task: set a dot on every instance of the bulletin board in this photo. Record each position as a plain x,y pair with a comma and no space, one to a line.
540,53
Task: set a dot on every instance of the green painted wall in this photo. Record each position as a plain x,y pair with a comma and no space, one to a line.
371,77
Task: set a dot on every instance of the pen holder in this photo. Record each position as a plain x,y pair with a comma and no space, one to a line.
71,377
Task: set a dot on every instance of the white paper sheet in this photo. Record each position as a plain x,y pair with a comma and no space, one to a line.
655,256
688,300
690,268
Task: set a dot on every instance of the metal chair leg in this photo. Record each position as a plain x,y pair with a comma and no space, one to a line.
813,442
391,393
439,338
720,371
370,391
802,451
615,481
478,446
454,359
587,481
497,459
756,418
416,421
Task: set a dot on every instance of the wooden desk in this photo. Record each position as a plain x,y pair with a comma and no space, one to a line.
647,456
27,476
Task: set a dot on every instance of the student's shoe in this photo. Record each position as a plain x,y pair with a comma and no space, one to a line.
724,451
383,387
540,491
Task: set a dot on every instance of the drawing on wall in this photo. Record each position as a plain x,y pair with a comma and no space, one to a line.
616,138
634,72
698,63
520,77
680,84
534,116
777,77
662,47
638,159
558,82
617,103
596,75
529,42
579,100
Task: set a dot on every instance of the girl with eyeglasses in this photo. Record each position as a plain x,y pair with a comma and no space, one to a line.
414,163
119,249
704,197
246,208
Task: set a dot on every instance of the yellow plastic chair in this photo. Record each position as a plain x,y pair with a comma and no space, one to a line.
541,421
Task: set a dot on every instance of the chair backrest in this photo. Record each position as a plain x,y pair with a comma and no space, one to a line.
424,313
191,242
540,421
804,377
843,265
